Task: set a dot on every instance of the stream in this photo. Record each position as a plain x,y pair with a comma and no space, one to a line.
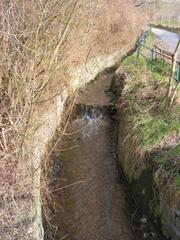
92,198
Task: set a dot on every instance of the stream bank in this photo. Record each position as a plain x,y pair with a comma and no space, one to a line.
149,144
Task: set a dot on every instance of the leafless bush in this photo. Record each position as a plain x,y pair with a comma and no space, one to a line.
41,41
31,53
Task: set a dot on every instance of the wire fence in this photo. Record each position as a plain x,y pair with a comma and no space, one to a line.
153,54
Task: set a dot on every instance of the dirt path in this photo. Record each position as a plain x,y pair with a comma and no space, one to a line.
92,197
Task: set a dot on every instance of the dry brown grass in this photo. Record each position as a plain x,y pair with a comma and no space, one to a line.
41,42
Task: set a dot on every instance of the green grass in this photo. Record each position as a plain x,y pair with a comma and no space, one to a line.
169,160
169,22
142,66
177,181
166,156
154,128
144,94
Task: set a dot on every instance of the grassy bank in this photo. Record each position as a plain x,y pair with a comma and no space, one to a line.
169,22
149,142
144,95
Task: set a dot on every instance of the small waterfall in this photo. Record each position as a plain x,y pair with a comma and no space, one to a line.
93,116
93,119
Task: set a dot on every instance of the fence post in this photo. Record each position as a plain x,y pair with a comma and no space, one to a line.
170,98
149,29
138,49
178,73
152,57
163,58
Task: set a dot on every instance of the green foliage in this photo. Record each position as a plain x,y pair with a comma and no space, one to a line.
167,156
177,181
153,129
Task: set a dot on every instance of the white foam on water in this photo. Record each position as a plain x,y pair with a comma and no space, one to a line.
93,124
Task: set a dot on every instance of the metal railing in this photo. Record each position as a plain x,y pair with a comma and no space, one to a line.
157,53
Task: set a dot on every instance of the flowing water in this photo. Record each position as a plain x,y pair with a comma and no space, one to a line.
91,195
93,205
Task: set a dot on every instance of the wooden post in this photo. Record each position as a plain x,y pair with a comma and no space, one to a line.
168,101
163,58
178,73
174,94
176,86
155,51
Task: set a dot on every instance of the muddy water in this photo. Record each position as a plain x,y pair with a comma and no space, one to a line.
93,205
91,197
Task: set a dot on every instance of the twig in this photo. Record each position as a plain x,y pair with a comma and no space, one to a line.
70,185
